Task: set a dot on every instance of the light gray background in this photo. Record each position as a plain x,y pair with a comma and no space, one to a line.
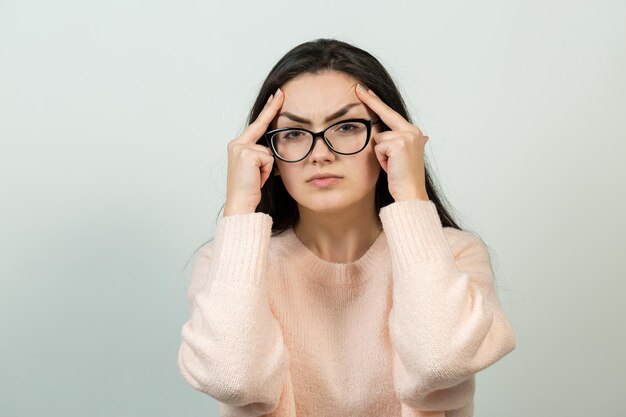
114,120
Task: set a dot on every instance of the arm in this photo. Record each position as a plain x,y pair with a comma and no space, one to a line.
232,347
446,322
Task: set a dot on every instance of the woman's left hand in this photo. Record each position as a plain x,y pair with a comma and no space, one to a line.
400,151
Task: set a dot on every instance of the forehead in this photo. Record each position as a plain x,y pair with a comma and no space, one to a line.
316,96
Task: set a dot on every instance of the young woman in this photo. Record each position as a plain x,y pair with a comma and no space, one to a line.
337,283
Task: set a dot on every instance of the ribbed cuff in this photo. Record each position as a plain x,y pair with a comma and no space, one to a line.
241,246
414,232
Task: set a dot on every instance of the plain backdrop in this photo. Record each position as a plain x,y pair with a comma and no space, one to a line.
114,120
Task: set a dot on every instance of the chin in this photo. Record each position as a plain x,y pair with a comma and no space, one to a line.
327,202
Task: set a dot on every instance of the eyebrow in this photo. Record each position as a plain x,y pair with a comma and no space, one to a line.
333,116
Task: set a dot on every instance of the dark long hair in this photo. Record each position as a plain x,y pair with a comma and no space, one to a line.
314,57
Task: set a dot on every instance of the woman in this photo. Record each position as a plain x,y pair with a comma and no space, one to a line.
337,284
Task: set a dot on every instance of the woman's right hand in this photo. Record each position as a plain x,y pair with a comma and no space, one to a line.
249,164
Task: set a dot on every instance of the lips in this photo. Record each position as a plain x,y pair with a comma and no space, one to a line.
323,175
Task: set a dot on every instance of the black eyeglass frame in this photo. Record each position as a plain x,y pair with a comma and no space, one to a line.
367,122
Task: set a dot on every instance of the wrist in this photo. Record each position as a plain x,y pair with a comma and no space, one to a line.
413,196
231,210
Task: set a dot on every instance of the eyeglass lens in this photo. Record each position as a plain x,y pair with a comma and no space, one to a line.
294,144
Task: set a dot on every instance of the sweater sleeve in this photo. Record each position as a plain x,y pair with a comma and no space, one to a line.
232,346
446,322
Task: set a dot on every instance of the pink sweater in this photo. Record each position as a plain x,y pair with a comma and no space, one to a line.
277,331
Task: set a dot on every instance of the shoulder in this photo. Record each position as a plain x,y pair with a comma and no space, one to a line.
465,244
282,246
278,243
206,250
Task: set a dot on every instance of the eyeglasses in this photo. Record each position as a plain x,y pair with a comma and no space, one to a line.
346,137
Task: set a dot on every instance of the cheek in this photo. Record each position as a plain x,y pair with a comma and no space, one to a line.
372,159
290,175
369,165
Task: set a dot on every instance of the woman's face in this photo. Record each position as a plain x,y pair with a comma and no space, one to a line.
315,97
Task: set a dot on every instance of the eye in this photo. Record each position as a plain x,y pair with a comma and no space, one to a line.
292,134
349,127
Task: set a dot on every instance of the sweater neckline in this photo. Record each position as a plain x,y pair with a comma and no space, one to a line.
335,274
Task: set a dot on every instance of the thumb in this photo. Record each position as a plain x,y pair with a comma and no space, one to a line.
266,171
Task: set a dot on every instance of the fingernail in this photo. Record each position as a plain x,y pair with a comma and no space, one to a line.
278,92
360,87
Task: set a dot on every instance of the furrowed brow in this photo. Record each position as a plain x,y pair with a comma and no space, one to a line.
333,116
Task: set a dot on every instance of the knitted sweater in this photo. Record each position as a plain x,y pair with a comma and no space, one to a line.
277,331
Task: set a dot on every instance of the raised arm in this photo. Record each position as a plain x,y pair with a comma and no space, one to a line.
232,347
446,322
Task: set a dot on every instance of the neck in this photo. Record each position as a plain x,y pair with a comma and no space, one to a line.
341,236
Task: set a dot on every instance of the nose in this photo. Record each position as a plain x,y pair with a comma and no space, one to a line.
321,151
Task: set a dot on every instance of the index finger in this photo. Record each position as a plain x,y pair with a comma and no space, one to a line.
389,116
257,128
